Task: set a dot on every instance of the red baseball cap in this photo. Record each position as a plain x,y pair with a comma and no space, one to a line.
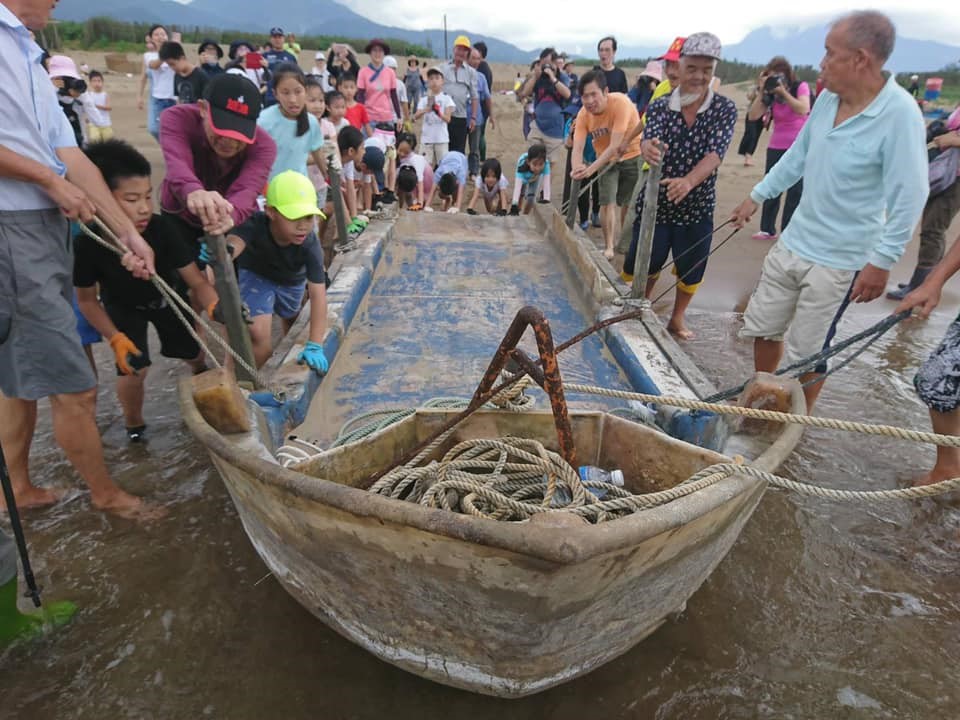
234,104
673,52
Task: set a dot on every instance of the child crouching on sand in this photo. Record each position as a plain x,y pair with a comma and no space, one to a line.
450,179
279,257
414,174
126,305
491,185
533,175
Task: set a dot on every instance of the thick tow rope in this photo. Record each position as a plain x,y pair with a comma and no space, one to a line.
177,304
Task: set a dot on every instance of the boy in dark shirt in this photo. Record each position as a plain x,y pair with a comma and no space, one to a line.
126,305
279,256
190,81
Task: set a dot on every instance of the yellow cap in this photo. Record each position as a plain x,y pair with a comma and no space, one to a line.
462,41
293,195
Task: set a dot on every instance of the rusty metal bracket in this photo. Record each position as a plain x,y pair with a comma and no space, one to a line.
549,379
510,357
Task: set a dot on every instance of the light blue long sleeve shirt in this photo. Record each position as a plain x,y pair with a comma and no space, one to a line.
865,182
32,123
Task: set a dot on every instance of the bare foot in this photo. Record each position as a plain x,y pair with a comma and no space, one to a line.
34,497
608,253
123,504
748,163
680,329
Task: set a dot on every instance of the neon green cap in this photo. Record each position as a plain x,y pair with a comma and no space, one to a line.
293,195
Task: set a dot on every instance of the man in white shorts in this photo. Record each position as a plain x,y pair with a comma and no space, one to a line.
863,154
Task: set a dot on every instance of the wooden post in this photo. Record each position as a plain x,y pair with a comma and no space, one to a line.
626,232
230,304
339,212
572,203
648,223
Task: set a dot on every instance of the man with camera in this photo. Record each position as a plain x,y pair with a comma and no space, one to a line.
862,155
550,89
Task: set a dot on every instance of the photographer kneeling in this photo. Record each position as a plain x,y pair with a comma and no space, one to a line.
787,104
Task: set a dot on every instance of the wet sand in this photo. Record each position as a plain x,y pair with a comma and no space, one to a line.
821,609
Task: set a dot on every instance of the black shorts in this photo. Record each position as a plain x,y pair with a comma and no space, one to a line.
175,340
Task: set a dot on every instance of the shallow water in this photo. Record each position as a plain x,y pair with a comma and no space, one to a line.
822,610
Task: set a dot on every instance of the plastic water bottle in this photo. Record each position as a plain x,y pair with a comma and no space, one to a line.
590,473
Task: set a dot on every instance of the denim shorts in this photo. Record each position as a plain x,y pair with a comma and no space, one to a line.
265,297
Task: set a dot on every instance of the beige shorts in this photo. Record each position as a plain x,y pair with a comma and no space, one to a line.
796,301
434,152
537,136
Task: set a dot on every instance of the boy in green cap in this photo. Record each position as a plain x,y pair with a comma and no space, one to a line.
279,257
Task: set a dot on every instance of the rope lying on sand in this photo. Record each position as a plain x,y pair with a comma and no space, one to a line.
513,479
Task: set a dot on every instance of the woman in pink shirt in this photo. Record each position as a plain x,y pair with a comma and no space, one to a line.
787,102
377,90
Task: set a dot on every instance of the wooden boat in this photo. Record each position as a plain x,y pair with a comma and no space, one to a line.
500,608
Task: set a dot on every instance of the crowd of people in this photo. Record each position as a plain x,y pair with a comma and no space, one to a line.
260,152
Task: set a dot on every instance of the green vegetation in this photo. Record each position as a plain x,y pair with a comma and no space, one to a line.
110,35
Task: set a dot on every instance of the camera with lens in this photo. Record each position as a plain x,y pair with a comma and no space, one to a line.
769,87
70,84
547,66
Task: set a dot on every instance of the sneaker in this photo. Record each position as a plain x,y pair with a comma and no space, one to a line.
388,197
595,220
137,434
764,236
584,225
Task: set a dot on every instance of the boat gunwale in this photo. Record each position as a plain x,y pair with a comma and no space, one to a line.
562,546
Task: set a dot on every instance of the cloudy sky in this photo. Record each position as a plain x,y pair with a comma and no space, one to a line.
532,24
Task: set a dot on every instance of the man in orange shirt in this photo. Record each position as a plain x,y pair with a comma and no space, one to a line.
607,118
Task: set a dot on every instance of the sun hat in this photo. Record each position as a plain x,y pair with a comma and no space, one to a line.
377,42
320,56
292,195
212,44
234,107
673,52
702,44
62,66
390,61
236,44
435,71
653,69
462,41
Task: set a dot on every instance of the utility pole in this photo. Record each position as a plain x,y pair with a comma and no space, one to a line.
446,53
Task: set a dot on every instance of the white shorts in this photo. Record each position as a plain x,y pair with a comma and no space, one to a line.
796,301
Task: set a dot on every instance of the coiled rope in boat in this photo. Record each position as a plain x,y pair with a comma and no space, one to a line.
513,479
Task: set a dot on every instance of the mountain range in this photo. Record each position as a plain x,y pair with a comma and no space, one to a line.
803,46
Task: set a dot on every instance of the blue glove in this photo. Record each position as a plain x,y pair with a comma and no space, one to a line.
313,356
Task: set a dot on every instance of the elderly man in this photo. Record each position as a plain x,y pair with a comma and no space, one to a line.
607,118
460,83
864,163
217,158
550,90
486,113
616,78
44,177
687,132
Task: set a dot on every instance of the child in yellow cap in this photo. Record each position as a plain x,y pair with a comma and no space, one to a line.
279,258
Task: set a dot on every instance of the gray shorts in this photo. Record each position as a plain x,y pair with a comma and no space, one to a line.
40,350
8,558
938,380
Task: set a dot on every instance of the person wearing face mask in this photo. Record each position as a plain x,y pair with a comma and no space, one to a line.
210,56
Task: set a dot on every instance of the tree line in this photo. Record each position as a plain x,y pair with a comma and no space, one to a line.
103,33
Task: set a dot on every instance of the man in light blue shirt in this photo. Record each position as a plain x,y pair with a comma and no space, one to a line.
862,156
45,179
